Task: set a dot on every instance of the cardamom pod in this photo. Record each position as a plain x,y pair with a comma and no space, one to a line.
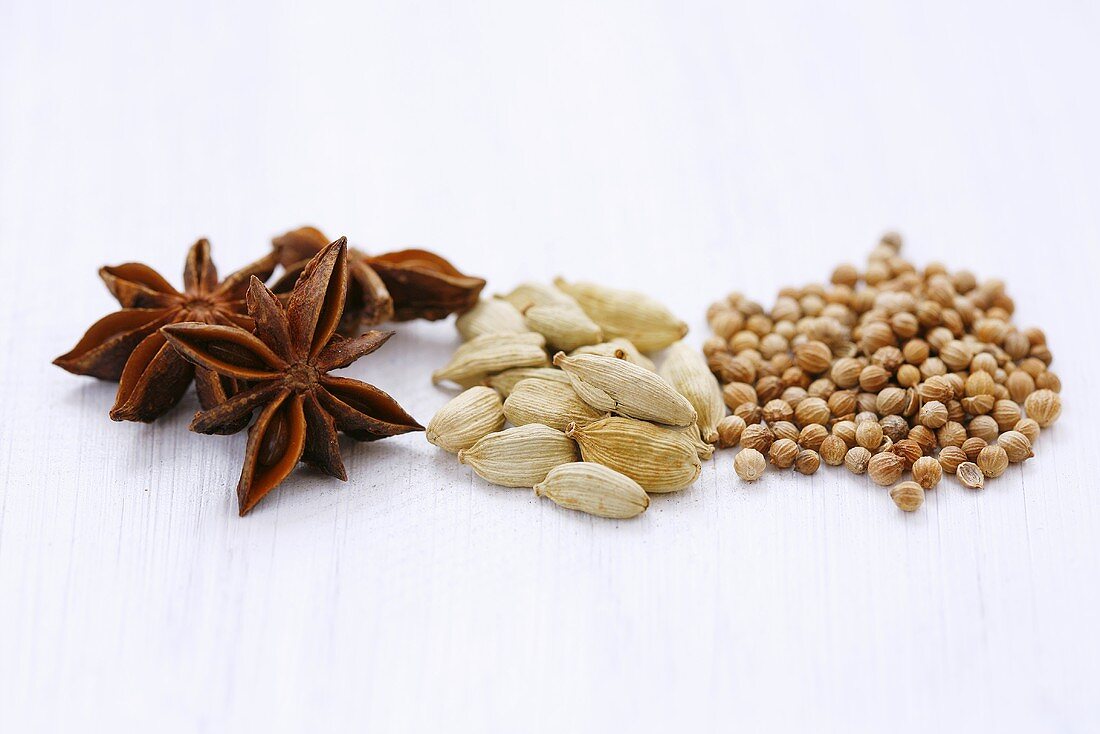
616,386
492,353
520,456
490,316
551,403
526,295
595,489
505,382
635,316
704,449
659,459
470,415
686,370
620,349
565,327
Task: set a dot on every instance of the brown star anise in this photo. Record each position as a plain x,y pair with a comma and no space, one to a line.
403,285
127,346
286,361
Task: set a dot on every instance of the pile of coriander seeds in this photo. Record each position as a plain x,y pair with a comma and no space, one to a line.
885,371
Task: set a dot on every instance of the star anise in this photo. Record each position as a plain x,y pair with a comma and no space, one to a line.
403,285
127,346
286,361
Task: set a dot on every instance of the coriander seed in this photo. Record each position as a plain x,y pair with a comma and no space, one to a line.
973,446
927,472
970,475
757,436
833,450
807,462
933,415
785,429
812,435
729,431
857,459
894,427
1016,445
908,496
1043,407
811,410
909,450
1006,413
951,457
749,464
993,461
783,452
869,435
984,427
885,468
813,356
1029,428
952,434
846,432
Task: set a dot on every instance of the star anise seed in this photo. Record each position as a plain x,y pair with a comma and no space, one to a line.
286,362
403,285
127,346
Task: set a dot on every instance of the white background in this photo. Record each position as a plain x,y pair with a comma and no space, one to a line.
683,149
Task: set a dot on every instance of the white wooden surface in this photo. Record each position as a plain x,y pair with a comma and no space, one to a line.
682,149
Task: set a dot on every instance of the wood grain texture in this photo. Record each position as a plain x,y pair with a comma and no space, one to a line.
683,149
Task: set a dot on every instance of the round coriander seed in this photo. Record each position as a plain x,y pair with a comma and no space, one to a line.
729,431
1029,428
933,415
749,464
807,462
812,436
927,472
972,447
885,468
785,429
812,410
993,461
1016,445
833,450
757,436
951,457
908,496
1048,381
869,435
1043,407
984,427
814,357
783,452
857,459
846,432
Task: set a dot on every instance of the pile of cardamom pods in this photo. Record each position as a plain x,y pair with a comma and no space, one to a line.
594,426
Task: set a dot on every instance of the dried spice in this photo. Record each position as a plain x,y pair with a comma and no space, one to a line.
908,496
634,427
470,416
627,314
127,346
903,368
615,385
301,407
594,489
659,458
521,456
403,285
749,465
